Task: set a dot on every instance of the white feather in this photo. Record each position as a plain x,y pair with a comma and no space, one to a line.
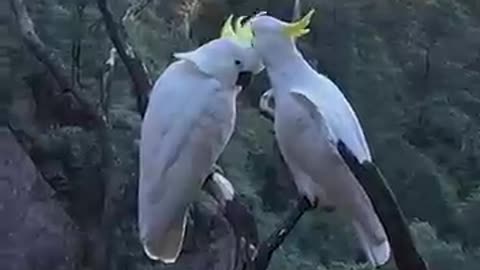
338,113
226,188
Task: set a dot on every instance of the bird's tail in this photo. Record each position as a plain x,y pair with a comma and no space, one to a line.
376,250
167,249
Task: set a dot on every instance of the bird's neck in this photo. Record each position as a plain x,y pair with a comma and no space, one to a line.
288,71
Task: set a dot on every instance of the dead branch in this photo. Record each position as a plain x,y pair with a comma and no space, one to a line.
111,187
404,251
105,82
141,82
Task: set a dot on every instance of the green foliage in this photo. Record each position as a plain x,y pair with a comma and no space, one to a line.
156,39
442,255
468,215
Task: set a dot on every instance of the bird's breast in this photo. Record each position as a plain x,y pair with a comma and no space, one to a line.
218,117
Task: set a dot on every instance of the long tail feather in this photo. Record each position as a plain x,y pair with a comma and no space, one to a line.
377,252
167,249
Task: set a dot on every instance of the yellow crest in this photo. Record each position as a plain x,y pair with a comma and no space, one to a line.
299,28
244,32
227,29
241,34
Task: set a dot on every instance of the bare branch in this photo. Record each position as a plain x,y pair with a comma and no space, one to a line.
136,9
141,82
105,82
273,242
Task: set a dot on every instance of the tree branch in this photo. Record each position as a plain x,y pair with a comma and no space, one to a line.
44,54
273,242
49,58
390,214
141,82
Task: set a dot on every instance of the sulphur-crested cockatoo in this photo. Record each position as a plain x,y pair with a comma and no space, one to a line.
188,122
312,117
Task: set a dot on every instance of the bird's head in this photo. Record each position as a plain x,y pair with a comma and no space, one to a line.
274,38
231,58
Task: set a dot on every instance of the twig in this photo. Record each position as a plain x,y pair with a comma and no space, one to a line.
273,242
136,9
105,82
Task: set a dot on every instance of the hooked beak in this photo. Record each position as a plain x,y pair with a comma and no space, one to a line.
244,79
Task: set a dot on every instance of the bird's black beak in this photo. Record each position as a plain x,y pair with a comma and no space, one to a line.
244,79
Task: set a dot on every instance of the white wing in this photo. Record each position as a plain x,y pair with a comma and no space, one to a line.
187,124
338,112
339,184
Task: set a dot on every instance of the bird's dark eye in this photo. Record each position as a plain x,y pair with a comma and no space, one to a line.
238,63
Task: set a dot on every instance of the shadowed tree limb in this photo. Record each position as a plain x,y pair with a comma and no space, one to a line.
44,54
385,204
48,57
141,82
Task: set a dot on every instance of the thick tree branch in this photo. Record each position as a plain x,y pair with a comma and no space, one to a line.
141,82
390,214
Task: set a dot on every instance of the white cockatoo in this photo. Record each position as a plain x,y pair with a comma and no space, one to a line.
312,118
188,122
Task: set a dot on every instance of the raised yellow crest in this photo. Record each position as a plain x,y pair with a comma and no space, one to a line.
227,29
241,33
299,28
